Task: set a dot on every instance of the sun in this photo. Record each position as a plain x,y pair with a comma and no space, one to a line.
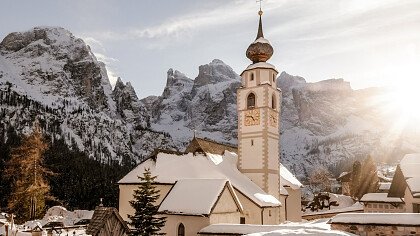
406,99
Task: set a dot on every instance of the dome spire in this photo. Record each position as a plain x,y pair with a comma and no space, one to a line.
260,33
260,50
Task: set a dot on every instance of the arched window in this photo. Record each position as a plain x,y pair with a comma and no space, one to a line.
181,230
250,102
273,101
252,76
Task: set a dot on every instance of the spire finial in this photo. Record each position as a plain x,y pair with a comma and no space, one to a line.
260,29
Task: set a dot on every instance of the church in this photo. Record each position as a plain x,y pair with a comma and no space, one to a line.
212,183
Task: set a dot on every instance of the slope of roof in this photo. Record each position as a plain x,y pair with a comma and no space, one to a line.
380,197
288,179
195,196
170,168
100,216
208,146
407,174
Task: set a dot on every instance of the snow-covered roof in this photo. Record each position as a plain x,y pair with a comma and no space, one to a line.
384,186
380,197
288,179
377,218
195,196
410,166
261,40
261,65
170,168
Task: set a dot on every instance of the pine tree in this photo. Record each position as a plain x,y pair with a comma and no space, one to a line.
364,178
145,220
26,171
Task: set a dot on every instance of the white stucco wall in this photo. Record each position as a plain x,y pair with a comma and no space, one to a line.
293,205
192,224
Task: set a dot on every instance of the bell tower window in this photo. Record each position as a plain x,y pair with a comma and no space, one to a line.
273,102
252,76
250,102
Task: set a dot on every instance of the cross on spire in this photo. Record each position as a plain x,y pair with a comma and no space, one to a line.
259,1
260,30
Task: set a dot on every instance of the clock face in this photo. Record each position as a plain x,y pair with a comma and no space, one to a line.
252,117
273,119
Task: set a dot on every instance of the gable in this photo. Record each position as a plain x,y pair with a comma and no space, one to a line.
227,202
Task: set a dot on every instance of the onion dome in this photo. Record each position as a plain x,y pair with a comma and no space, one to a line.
260,50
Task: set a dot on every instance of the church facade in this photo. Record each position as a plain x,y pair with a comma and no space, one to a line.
212,183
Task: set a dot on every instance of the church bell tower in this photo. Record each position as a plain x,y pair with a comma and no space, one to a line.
258,104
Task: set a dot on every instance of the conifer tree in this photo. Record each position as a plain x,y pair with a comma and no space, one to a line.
364,178
145,220
27,173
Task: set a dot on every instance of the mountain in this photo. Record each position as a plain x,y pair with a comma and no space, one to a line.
50,75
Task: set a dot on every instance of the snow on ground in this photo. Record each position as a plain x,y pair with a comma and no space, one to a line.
317,227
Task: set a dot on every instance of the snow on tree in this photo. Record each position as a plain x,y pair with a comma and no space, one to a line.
25,169
145,220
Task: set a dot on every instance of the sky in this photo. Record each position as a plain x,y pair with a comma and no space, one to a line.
368,43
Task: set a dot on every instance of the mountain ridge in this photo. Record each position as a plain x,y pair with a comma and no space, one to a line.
325,123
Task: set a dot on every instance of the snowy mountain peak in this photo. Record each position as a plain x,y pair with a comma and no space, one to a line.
215,72
38,35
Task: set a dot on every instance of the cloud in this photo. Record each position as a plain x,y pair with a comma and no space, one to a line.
111,64
181,26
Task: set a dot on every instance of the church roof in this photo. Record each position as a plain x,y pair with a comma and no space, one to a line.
208,146
196,196
288,179
170,168
406,175
101,216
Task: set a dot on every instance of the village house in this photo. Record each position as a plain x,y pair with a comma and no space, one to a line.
212,183
381,203
406,182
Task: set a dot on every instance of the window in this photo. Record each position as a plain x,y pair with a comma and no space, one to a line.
416,208
181,230
273,102
250,101
269,212
242,220
252,76
252,142
274,78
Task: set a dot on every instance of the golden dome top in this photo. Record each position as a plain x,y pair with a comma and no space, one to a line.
260,50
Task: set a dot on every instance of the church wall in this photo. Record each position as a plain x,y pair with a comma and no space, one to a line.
283,208
273,185
225,218
271,215
255,162
273,153
192,224
252,212
126,195
293,204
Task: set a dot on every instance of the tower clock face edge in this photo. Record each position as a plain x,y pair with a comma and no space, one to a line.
252,117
